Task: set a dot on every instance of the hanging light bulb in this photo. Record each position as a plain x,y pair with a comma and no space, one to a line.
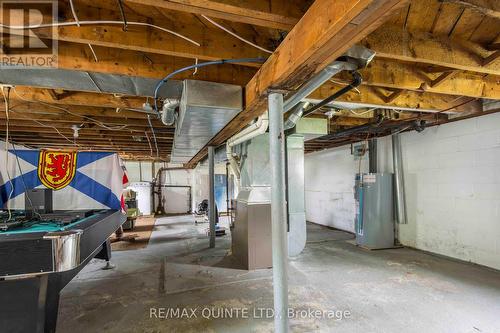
75,129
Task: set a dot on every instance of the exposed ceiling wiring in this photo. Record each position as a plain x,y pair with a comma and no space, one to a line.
344,84
97,122
102,22
154,136
362,113
149,143
236,35
73,11
6,98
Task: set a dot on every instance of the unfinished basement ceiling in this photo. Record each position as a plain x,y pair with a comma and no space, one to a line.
432,55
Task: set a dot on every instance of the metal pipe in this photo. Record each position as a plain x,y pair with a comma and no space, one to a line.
255,129
372,155
211,194
356,81
296,114
278,212
227,188
307,88
399,184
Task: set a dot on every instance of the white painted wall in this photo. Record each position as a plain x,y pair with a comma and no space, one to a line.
452,175
329,186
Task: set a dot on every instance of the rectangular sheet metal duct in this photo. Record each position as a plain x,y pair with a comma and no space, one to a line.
205,108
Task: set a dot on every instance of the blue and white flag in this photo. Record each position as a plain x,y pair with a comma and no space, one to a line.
80,180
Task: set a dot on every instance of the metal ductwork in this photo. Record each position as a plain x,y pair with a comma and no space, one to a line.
355,58
168,111
205,108
252,131
295,115
54,78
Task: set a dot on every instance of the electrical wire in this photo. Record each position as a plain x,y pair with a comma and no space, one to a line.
149,143
103,22
344,84
97,122
362,113
154,136
235,35
196,69
35,211
198,65
6,98
73,11
49,126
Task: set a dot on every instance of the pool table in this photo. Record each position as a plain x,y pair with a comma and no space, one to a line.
39,258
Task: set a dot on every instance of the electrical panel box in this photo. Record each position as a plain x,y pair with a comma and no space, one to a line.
374,210
358,150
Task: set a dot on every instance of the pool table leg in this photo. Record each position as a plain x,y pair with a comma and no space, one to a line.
52,302
105,254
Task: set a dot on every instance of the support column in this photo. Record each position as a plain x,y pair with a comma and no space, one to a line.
211,195
278,212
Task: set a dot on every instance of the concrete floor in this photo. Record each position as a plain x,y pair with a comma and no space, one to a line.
400,290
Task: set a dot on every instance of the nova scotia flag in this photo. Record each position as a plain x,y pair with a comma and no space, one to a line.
97,182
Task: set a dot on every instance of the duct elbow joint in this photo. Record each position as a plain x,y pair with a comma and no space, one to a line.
168,112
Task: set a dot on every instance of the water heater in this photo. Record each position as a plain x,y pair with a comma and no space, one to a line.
374,210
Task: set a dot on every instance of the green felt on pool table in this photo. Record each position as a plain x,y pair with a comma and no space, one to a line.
42,227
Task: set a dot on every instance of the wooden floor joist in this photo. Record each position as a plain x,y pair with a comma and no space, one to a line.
398,44
431,55
284,14
323,34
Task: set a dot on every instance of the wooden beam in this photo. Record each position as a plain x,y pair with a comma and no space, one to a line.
442,78
79,98
129,62
73,119
53,94
323,34
376,97
397,75
492,57
395,94
394,43
212,44
91,111
284,14
489,8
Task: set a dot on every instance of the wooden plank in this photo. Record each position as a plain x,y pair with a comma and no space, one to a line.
283,14
54,119
396,44
467,24
79,98
397,75
489,8
323,34
446,19
373,97
213,44
422,15
76,56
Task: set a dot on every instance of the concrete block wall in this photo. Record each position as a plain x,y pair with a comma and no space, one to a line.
452,176
329,187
